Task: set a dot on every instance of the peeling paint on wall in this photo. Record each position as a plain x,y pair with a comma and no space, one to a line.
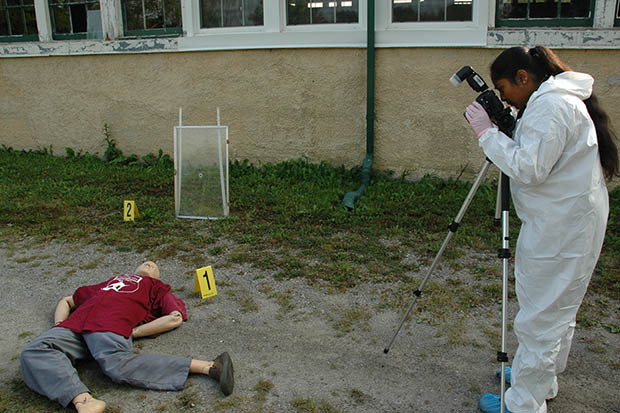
86,47
555,39
587,39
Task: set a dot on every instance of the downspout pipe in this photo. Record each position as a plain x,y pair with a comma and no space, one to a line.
350,197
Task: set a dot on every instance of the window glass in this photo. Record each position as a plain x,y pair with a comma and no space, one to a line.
17,18
152,17
617,20
321,12
431,10
70,17
545,12
231,13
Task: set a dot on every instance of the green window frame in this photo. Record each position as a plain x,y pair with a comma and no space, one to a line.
545,13
69,18
18,22
152,18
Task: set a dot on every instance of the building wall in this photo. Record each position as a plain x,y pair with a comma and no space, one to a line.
279,104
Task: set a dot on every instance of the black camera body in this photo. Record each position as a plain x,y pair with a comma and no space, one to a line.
492,104
497,111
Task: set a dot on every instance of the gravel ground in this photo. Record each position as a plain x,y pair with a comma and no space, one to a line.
296,347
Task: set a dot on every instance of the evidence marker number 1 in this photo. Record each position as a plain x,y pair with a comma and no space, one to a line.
205,282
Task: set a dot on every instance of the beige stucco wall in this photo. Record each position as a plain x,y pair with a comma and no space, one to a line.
279,104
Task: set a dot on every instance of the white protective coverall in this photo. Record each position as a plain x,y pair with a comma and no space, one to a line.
559,193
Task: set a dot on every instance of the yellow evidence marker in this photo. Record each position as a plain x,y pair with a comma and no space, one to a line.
130,211
205,283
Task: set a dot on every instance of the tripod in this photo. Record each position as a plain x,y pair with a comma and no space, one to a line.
503,206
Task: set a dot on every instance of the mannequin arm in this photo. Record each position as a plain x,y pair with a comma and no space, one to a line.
159,325
63,309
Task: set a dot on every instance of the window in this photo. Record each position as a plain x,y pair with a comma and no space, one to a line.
321,12
431,10
617,19
545,12
17,20
152,17
230,13
75,19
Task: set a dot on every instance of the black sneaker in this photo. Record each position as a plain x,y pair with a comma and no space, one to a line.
223,372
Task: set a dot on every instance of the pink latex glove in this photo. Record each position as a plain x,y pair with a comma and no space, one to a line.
478,118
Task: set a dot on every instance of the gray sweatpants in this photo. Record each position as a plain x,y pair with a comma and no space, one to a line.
47,364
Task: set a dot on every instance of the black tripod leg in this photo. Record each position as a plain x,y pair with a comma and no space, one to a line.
453,227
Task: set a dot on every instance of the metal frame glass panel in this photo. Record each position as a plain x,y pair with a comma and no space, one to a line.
201,172
413,11
545,13
231,13
617,18
70,18
304,12
152,17
18,21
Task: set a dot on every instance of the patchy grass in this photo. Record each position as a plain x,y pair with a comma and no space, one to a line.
351,318
287,218
312,406
262,389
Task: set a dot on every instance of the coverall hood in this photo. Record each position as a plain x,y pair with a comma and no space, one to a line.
573,83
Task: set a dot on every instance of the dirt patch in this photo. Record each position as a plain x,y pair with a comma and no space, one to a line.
296,347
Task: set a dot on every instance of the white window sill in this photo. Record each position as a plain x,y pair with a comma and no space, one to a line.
423,36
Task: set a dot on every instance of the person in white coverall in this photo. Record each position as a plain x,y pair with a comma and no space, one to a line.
557,163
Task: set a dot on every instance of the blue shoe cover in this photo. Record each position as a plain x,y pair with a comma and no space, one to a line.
499,373
490,403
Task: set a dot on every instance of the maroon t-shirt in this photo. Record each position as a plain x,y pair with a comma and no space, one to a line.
121,303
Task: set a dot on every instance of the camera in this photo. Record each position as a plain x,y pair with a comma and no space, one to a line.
494,107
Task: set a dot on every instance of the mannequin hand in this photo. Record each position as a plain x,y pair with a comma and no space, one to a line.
478,118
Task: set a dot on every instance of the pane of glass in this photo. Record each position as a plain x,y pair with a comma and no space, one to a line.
512,9
16,21
154,14
432,10
61,20
297,12
459,10
201,180
211,13
233,13
575,8
4,22
543,9
405,11
323,12
347,11
254,12
31,21
78,18
133,15
173,13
